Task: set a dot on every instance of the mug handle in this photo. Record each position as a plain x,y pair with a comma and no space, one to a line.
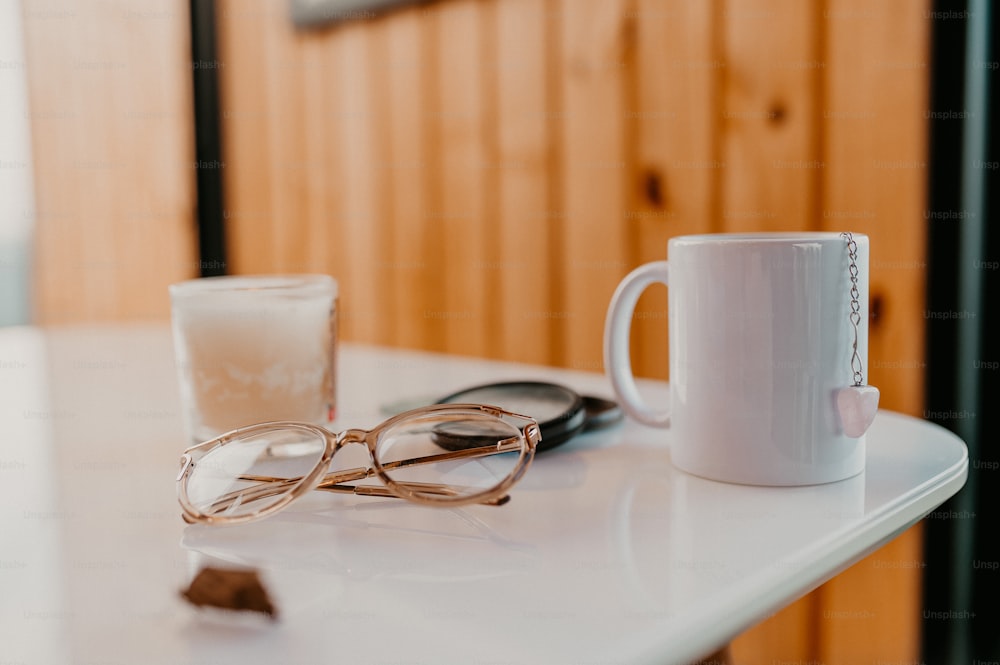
617,331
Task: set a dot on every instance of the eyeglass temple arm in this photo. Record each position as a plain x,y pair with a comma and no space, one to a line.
423,488
361,473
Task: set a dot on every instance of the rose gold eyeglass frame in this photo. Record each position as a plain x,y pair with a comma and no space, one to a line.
317,479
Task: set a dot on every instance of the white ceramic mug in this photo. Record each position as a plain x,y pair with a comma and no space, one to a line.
761,342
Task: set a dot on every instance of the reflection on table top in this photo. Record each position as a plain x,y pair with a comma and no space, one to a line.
606,553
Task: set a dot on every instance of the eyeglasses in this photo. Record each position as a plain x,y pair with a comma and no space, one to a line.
443,455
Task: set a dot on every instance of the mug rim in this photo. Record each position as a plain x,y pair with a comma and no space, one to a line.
787,237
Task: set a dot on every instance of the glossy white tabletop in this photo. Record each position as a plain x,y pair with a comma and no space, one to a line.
605,554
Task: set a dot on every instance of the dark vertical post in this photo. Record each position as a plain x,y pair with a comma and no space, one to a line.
961,578
944,215
208,143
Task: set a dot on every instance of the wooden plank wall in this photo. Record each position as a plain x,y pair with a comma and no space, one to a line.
110,98
480,174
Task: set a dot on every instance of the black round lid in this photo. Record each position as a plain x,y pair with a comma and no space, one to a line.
559,411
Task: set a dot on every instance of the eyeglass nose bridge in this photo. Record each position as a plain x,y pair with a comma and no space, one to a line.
352,436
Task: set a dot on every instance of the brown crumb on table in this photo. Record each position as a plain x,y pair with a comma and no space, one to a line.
239,590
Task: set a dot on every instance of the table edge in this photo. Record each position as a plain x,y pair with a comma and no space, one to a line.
776,593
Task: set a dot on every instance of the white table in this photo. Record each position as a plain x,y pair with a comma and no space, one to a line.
606,554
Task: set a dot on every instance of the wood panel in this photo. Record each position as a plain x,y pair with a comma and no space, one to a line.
771,165
591,241
526,205
282,73
246,114
875,100
416,284
318,197
465,159
787,636
363,224
674,144
110,98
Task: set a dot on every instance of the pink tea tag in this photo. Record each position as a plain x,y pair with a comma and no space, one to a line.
857,406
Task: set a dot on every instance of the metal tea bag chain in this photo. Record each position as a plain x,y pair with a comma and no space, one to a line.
856,404
852,253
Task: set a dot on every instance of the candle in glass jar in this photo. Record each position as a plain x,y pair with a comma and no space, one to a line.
254,349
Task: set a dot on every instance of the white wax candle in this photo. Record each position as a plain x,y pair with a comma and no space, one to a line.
254,349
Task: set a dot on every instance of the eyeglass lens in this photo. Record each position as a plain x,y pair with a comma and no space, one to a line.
459,454
254,472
